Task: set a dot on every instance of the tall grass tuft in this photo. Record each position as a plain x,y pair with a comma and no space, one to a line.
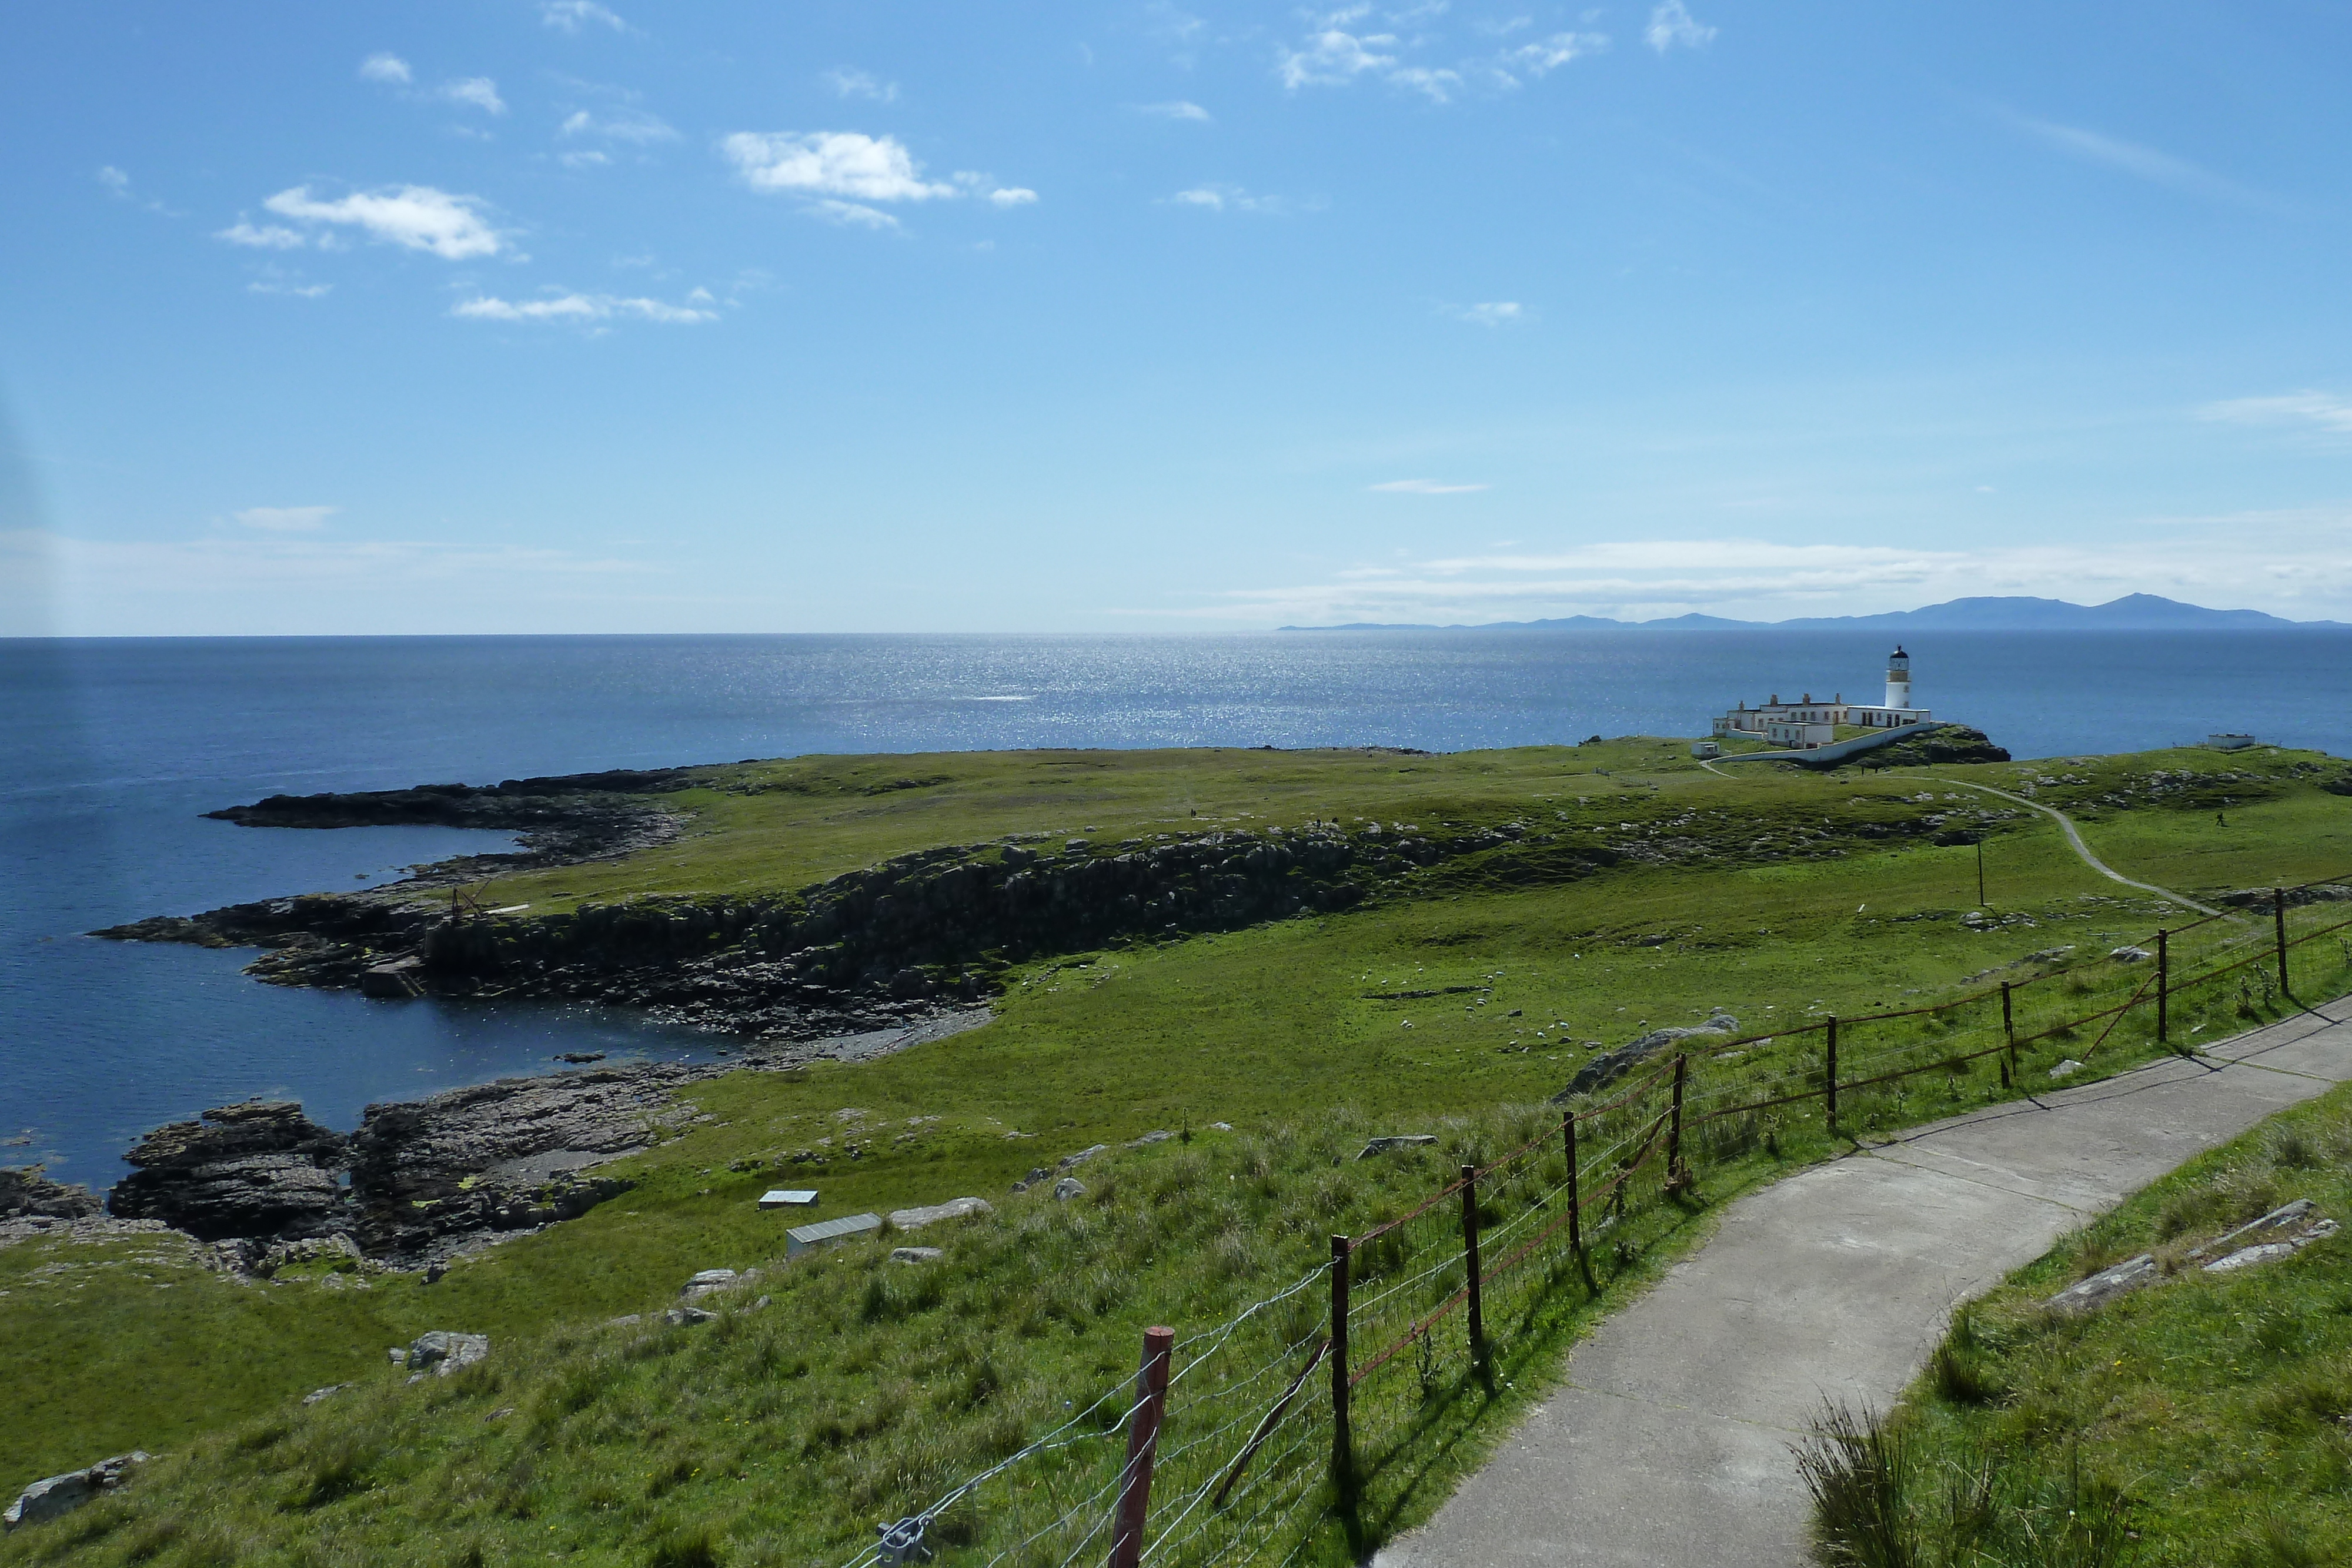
1857,1470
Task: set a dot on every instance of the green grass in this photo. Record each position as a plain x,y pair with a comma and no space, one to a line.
1780,895
2203,1420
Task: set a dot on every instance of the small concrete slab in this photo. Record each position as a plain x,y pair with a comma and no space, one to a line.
788,1198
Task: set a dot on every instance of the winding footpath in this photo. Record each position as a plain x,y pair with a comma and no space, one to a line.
1668,1445
2075,838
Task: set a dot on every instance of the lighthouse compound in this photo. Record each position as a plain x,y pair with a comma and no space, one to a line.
1806,725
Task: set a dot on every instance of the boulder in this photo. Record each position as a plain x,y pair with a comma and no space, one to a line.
1081,1157
62,1494
687,1317
1068,1189
1400,1141
2089,1295
2129,954
1601,1068
261,1168
445,1350
328,1392
915,1254
953,1208
2066,1069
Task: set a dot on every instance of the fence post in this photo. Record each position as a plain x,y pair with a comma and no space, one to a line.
1676,1177
2008,1026
1142,1446
1343,1463
2278,915
1829,1074
2163,981
1470,1258
1575,1202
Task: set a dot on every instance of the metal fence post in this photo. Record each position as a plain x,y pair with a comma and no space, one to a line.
2163,982
2278,915
1829,1072
1575,1201
1676,1177
1470,1258
1343,1463
2008,1026
1142,1447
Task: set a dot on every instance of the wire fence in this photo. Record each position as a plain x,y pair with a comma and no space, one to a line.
1236,1444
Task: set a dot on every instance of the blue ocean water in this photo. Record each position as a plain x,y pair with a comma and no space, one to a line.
115,746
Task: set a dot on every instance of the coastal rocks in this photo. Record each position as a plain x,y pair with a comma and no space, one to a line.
27,1192
260,1169
2089,1295
62,1494
500,1156
397,980
1934,743
1601,1069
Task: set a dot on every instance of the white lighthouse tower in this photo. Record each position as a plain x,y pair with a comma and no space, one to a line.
1898,678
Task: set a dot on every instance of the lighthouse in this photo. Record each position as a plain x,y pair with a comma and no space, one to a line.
1898,678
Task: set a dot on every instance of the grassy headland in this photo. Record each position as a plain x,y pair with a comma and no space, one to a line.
1584,894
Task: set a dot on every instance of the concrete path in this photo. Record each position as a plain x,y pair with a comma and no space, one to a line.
1668,1447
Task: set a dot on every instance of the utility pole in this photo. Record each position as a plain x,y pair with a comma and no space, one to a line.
1981,897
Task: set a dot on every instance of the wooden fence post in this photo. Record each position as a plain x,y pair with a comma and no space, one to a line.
1470,1258
2008,1026
1676,1177
2278,915
1575,1202
1343,1462
2163,982
1142,1447
1829,1073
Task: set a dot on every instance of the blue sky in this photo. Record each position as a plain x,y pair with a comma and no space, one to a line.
551,316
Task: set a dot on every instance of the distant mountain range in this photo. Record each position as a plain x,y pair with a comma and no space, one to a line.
2132,612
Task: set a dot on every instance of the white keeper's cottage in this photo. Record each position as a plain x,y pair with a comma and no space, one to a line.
1806,725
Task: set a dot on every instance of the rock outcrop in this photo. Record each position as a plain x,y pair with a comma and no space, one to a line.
1933,743
1602,1069
261,1168
62,1494
26,1192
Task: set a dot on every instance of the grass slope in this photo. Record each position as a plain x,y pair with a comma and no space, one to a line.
1776,894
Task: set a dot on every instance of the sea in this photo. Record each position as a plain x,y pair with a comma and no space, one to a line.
115,747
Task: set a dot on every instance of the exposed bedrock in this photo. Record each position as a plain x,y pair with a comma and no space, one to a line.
261,1168
25,1191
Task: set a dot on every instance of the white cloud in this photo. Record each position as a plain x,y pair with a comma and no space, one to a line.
576,158
829,163
636,126
286,519
268,236
114,180
1437,86
1489,313
1227,199
480,92
851,215
847,83
572,15
578,308
1013,196
1544,56
1424,488
385,67
2330,413
1176,109
295,290
418,217
1330,56
1671,23
2142,163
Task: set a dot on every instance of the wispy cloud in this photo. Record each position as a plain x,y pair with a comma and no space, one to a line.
415,217
1228,199
581,310
1424,488
1012,197
573,15
851,215
1541,56
286,519
273,282
2140,163
848,83
1673,26
636,126
1176,109
475,93
388,69
840,163
268,236
1330,56
2328,410
1338,48
118,184
1489,313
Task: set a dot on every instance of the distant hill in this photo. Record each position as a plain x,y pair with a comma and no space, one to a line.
2132,612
